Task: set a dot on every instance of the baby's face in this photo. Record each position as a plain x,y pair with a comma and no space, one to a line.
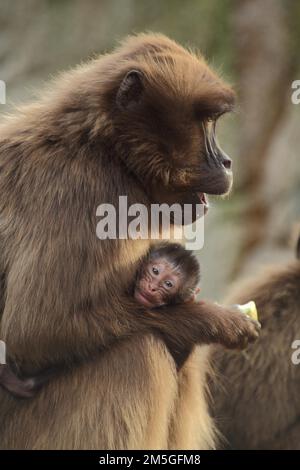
158,282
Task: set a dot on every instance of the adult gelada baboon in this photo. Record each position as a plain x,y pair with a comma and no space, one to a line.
138,122
258,406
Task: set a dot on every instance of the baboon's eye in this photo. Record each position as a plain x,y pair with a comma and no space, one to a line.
155,270
169,284
208,114
211,118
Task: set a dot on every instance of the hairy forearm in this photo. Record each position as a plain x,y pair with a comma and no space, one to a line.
181,327
195,323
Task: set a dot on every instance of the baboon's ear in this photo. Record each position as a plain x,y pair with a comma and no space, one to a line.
131,90
298,248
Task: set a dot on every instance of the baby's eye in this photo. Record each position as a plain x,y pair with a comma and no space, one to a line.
155,270
169,284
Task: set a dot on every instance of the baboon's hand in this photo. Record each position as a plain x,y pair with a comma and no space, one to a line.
238,329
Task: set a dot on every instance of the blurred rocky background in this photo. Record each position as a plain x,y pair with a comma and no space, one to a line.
256,46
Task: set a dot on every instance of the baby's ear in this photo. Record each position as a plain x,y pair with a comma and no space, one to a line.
197,290
194,295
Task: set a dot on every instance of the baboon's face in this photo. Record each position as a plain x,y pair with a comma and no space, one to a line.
158,282
166,121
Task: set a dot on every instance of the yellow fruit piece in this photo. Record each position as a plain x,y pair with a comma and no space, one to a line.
250,310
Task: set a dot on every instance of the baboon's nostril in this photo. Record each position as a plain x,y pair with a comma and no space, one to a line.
227,163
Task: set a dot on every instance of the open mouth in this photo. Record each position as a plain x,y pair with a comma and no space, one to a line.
204,201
